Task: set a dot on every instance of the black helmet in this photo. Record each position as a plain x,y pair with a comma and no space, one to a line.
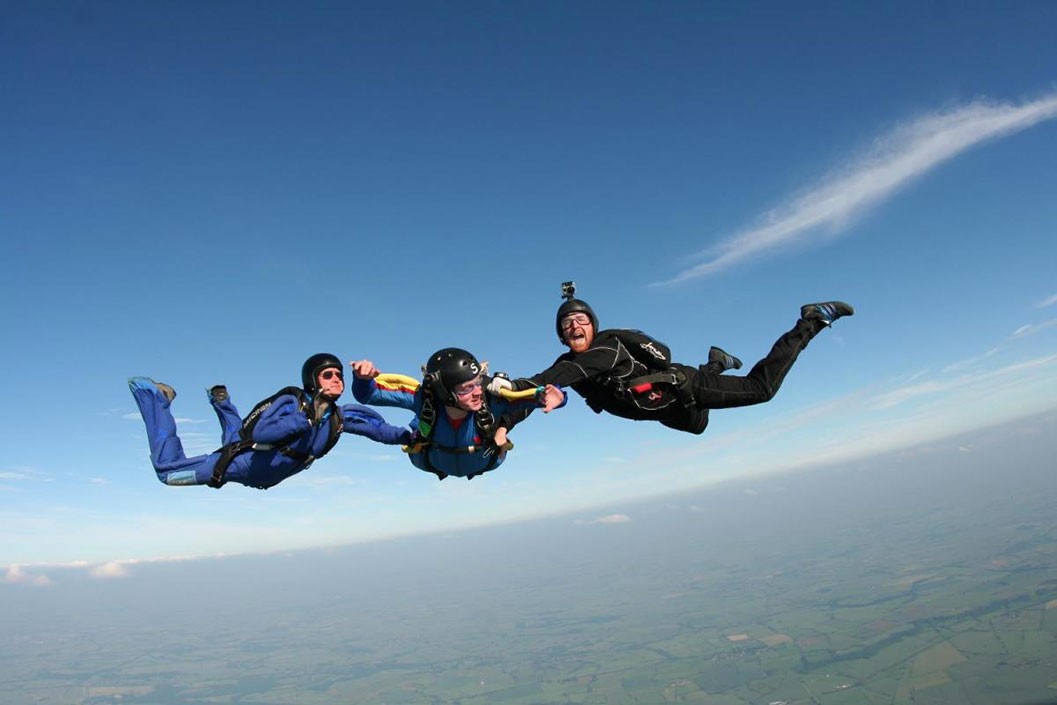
313,366
574,306
447,369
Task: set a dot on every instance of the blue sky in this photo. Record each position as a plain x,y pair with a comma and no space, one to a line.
210,192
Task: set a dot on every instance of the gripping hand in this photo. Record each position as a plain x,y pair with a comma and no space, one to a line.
498,384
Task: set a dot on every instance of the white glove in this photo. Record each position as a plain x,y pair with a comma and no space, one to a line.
498,384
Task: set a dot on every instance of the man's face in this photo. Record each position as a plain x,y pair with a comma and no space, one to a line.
578,331
469,396
331,382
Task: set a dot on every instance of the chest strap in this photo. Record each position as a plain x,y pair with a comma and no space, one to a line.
332,412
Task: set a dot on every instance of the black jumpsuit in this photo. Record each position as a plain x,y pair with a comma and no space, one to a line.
600,375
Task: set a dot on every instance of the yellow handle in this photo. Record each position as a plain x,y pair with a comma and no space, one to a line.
403,382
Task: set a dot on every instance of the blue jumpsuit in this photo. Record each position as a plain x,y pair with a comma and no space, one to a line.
255,468
447,435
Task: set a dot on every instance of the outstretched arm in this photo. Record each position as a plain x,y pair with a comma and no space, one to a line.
572,368
362,421
513,413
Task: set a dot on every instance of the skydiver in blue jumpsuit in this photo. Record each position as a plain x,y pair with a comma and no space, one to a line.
461,430
281,437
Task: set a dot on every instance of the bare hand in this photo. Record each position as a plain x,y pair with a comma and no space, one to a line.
364,369
500,437
552,398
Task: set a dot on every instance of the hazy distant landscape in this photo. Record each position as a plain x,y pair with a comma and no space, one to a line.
921,577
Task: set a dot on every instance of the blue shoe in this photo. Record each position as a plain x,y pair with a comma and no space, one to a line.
148,383
723,359
827,312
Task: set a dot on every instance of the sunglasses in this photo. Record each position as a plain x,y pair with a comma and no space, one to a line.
331,374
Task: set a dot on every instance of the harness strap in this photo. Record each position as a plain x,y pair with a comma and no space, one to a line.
246,443
673,376
422,447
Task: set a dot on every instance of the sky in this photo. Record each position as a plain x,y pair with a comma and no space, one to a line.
209,193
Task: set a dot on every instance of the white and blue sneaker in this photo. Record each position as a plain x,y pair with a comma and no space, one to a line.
826,312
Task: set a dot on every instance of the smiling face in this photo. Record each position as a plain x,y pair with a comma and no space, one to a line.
331,382
469,396
577,332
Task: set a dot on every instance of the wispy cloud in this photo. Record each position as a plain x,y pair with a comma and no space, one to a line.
895,160
182,420
24,475
1033,328
906,393
608,519
1047,302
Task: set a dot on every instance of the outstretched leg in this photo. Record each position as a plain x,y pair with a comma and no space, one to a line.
713,391
166,451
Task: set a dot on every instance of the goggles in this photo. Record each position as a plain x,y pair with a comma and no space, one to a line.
468,388
578,319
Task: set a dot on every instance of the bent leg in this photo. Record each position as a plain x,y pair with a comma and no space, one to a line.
714,391
230,421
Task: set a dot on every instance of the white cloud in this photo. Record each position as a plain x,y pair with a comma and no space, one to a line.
895,160
1047,302
608,519
24,475
933,387
112,569
99,481
1033,328
15,574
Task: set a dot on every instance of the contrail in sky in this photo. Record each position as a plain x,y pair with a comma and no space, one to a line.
896,159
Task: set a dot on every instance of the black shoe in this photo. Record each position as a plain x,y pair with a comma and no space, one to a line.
723,359
218,393
167,391
827,312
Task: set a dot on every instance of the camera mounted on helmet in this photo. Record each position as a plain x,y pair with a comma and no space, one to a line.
570,306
